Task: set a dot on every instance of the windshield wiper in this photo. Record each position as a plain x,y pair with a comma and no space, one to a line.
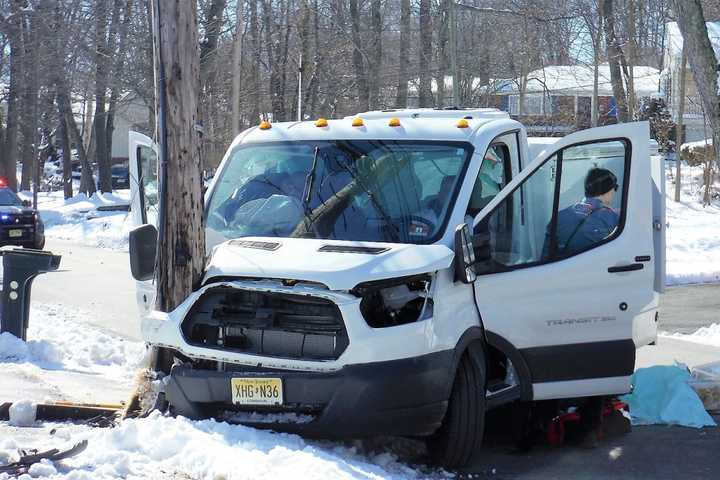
386,218
307,192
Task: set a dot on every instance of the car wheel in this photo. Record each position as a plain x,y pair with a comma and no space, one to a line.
459,438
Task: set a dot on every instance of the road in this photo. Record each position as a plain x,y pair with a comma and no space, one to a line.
95,280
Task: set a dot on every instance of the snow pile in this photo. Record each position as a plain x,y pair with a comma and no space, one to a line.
167,447
57,341
706,335
693,234
77,218
22,414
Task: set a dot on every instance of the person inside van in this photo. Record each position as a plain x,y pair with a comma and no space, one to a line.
589,221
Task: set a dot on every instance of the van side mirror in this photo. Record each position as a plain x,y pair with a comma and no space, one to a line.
464,255
143,248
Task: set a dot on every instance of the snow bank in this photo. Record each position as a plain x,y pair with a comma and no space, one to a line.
693,234
22,414
706,335
61,338
77,219
167,447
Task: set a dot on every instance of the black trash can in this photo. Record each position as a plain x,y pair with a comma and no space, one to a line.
20,267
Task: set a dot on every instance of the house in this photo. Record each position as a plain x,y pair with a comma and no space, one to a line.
559,99
693,118
131,113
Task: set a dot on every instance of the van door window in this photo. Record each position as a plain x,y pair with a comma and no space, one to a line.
494,174
148,169
574,202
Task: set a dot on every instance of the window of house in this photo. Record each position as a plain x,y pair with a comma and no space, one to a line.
574,202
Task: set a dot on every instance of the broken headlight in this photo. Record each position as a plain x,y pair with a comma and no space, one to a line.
397,301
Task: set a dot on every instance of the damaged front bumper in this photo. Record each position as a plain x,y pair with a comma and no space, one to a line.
400,397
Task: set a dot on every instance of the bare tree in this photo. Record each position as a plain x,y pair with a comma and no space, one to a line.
614,54
425,96
237,68
102,54
702,61
403,58
361,75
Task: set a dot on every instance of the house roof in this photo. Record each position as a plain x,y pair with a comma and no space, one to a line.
576,80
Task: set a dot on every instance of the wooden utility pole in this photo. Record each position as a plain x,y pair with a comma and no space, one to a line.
181,238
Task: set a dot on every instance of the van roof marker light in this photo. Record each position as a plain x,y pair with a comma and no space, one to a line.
321,122
357,122
394,122
462,123
265,125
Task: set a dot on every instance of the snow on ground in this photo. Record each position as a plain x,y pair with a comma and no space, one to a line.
693,234
65,358
166,447
77,219
709,335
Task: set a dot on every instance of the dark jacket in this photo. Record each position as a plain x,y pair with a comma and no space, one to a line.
582,225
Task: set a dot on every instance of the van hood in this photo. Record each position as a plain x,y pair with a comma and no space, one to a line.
340,265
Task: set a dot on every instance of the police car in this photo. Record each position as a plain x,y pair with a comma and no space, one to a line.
402,272
20,224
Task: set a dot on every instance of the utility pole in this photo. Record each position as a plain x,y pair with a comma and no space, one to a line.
300,91
181,237
453,53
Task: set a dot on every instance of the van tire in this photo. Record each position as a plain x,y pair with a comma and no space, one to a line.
459,438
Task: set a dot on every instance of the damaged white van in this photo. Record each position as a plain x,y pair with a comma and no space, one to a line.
402,272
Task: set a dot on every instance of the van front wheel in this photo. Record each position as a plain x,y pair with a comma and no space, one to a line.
459,437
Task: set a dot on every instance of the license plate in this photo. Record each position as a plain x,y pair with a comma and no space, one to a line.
257,391
15,233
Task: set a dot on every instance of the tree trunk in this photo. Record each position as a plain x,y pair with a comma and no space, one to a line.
425,96
29,103
16,55
614,55
361,76
443,36
102,54
375,62
631,59
255,76
236,69
117,74
274,53
181,240
702,62
404,58
680,128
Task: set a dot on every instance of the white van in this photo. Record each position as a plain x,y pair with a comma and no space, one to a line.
400,273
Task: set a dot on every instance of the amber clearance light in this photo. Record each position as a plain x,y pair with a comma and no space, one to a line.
265,125
394,122
321,122
462,123
357,122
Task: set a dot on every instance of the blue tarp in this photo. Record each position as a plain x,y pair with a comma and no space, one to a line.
663,396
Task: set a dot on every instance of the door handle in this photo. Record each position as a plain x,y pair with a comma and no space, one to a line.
626,268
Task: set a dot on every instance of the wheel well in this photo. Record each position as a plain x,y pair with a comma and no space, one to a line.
496,363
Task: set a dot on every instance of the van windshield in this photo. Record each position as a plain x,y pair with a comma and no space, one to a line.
371,190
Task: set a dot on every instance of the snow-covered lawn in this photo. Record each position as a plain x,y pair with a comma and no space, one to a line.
693,234
77,219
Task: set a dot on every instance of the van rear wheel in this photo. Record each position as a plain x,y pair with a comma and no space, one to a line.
459,438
